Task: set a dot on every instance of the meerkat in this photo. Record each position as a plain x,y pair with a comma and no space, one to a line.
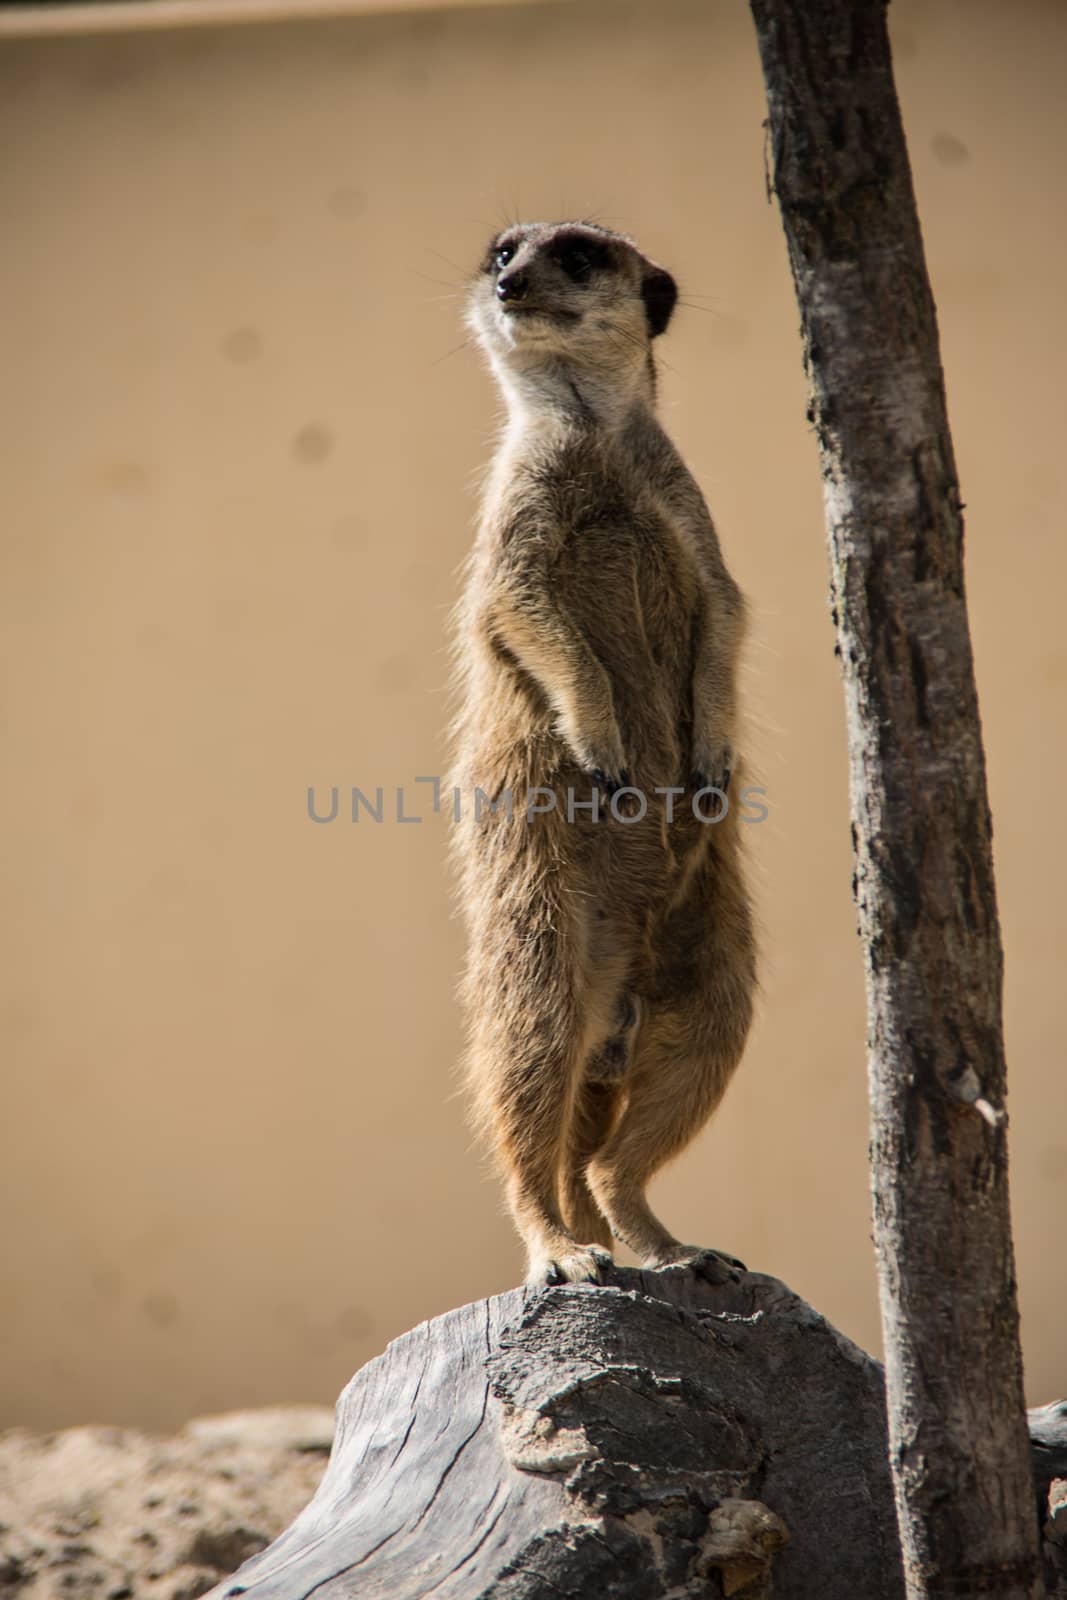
611,966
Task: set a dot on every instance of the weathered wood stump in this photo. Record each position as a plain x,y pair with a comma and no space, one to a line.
656,1437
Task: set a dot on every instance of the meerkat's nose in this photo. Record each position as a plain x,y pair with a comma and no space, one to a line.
512,286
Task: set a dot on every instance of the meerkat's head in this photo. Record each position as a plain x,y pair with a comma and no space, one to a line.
570,303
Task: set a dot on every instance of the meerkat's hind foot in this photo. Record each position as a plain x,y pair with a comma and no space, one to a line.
713,1265
577,1263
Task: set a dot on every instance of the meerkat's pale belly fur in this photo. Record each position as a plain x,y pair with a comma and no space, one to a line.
611,962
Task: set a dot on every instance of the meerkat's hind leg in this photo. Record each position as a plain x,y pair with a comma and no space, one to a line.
524,1065
670,1099
536,1135
661,1117
596,1111
690,1041
538,1110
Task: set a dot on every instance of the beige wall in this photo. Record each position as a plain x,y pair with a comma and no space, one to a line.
240,456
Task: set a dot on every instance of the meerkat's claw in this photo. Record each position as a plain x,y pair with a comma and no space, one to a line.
610,785
712,768
715,1266
704,780
713,810
719,780
585,1263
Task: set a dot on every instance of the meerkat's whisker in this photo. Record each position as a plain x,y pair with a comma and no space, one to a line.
449,263
455,350
440,283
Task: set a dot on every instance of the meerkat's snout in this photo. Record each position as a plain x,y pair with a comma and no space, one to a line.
512,286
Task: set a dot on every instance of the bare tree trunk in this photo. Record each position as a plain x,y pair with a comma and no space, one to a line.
920,818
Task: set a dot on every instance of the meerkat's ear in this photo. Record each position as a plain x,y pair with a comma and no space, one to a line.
659,292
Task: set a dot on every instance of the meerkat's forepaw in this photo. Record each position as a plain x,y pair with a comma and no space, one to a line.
601,755
597,747
712,767
610,782
715,1266
580,1263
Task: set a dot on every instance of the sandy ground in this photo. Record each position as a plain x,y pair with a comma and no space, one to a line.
117,1514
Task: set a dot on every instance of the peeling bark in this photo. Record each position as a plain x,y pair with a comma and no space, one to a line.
920,818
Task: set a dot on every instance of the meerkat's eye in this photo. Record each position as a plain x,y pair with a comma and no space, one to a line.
504,254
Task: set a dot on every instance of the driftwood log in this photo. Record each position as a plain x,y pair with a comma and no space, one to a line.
654,1437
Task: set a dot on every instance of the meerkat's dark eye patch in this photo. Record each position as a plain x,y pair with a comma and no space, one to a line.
659,292
575,263
579,256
